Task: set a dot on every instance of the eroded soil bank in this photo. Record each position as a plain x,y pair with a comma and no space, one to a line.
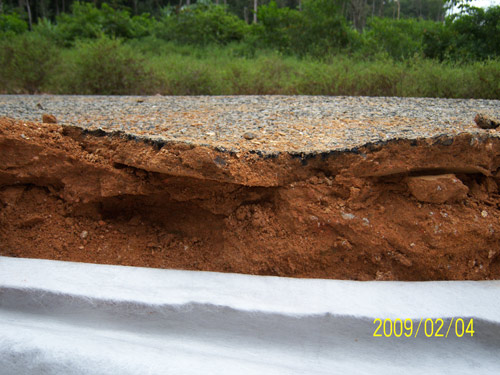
423,209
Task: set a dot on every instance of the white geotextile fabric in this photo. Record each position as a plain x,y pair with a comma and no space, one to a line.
74,318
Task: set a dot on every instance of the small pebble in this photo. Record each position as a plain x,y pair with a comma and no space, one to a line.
347,216
249,136
84,234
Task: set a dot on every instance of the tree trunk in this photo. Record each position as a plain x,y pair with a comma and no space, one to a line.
28,9
255,4
245,14
358,13
42,8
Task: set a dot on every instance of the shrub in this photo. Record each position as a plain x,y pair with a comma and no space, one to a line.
475,33
471,35
12,24
276,28
437,42
26,63
488,79
401,39
201,24
86,21
318,30
108,67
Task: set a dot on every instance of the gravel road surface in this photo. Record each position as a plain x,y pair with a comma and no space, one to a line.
270,124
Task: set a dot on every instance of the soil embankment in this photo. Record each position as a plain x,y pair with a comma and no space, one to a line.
408,209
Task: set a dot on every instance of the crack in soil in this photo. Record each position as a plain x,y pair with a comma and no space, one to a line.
425,209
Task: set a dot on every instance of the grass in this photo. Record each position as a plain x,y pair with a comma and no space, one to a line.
151,66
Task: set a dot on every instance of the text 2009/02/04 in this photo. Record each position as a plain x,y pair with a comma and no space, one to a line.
427,327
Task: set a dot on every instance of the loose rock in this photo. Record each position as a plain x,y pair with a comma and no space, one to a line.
249,135
437,189
49,119
486,122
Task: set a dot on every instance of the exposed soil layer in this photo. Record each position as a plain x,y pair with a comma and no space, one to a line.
422,209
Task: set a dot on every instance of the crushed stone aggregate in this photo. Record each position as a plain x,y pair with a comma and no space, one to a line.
296,124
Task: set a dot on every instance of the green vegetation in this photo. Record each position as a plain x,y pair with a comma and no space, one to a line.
323,48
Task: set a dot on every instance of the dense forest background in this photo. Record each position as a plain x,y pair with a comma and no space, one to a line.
331,47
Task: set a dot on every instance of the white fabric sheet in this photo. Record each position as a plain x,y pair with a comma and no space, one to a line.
74,318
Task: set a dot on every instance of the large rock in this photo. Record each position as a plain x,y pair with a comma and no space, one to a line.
485,121
437,189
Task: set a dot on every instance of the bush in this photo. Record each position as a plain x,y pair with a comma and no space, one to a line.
471,35
86,21
401,39
201,24
107,67
12,24
488,79
325,30
318,30
437,42
276,28
475,33
27,61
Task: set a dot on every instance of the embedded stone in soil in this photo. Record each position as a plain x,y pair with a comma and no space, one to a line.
367,213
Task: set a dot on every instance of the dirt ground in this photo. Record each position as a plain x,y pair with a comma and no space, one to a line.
424,209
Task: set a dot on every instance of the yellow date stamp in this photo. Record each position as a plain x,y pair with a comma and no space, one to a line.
409,328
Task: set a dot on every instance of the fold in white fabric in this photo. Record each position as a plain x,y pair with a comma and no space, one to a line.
75,318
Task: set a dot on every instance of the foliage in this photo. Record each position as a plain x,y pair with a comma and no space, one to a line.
201,24
318,30
278,26
105,66
204,48
401,39
87,21
110,66
26,63
473,34
12,24
476,33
